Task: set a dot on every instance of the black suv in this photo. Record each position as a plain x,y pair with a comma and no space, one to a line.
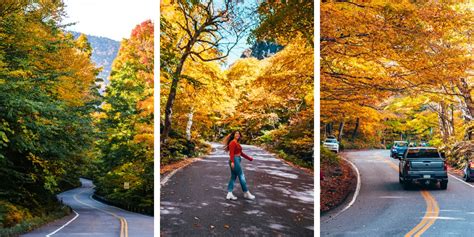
423,165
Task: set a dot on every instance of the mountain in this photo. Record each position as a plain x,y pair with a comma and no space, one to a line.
104,51
261,50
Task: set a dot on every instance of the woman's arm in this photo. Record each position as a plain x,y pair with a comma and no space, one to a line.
246,156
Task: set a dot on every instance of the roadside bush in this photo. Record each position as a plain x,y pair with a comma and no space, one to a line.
10,215
293,143
328,157
458,153
177,147
16,220
360,144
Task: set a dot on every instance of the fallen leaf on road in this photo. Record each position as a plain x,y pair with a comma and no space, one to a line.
227,226
212,227
196,218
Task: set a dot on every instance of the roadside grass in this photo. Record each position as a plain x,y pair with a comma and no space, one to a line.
35,222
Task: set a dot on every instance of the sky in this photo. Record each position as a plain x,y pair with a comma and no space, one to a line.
114,19
242,45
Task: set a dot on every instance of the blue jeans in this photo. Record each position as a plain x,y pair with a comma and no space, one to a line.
237,172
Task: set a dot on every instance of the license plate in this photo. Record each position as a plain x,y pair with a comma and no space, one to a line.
426,176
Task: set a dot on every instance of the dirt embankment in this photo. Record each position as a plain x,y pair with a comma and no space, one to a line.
337,182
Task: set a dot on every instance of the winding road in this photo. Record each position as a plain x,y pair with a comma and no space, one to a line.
383,208
93,218
193,200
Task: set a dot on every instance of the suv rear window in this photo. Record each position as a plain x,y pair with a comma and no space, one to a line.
331,141
422,153
399,144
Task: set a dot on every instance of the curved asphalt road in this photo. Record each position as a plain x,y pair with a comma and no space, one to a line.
95,218
383,208
193,200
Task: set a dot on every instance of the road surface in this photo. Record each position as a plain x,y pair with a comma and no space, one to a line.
383,208
93,218
193,200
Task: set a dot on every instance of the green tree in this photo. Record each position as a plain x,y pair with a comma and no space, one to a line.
126,123
45,133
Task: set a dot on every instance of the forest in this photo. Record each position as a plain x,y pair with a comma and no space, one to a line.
55,126
398,71
270,100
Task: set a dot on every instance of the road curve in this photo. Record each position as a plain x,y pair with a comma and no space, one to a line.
193,200
93,218
383,208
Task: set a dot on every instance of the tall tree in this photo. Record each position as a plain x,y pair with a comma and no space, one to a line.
192,30
126,122
47,96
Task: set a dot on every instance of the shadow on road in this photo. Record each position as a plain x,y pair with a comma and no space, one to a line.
193,201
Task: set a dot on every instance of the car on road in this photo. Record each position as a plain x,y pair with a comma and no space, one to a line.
423,165
469,171
332,144
398,149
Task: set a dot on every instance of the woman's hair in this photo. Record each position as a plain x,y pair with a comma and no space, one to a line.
229,138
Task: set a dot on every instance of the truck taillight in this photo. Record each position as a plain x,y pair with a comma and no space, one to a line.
407,166
471,164
445,166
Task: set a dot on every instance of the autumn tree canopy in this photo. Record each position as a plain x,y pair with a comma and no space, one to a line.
269,100
380,58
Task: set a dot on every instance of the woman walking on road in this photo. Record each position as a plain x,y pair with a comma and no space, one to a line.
231,144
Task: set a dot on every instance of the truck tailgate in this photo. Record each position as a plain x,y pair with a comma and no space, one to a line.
428,164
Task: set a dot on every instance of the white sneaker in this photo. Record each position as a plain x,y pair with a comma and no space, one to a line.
248,195
230,196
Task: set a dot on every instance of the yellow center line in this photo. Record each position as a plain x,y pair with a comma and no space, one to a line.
433,216
425,217
123,221
432,211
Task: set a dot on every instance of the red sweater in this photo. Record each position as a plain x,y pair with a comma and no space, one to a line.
236,149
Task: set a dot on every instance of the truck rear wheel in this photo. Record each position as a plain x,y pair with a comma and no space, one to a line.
406,184
443,185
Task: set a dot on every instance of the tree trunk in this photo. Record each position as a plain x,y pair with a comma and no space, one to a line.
171,98
189,124
355,129
329,129
443,123
341,129
467,104
451,121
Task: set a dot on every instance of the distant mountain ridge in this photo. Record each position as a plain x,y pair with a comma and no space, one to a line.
261,50
104,52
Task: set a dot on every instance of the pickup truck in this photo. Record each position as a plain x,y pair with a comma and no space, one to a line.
423,165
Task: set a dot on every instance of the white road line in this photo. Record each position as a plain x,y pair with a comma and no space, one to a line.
67,223
472,186
356,193
165,179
